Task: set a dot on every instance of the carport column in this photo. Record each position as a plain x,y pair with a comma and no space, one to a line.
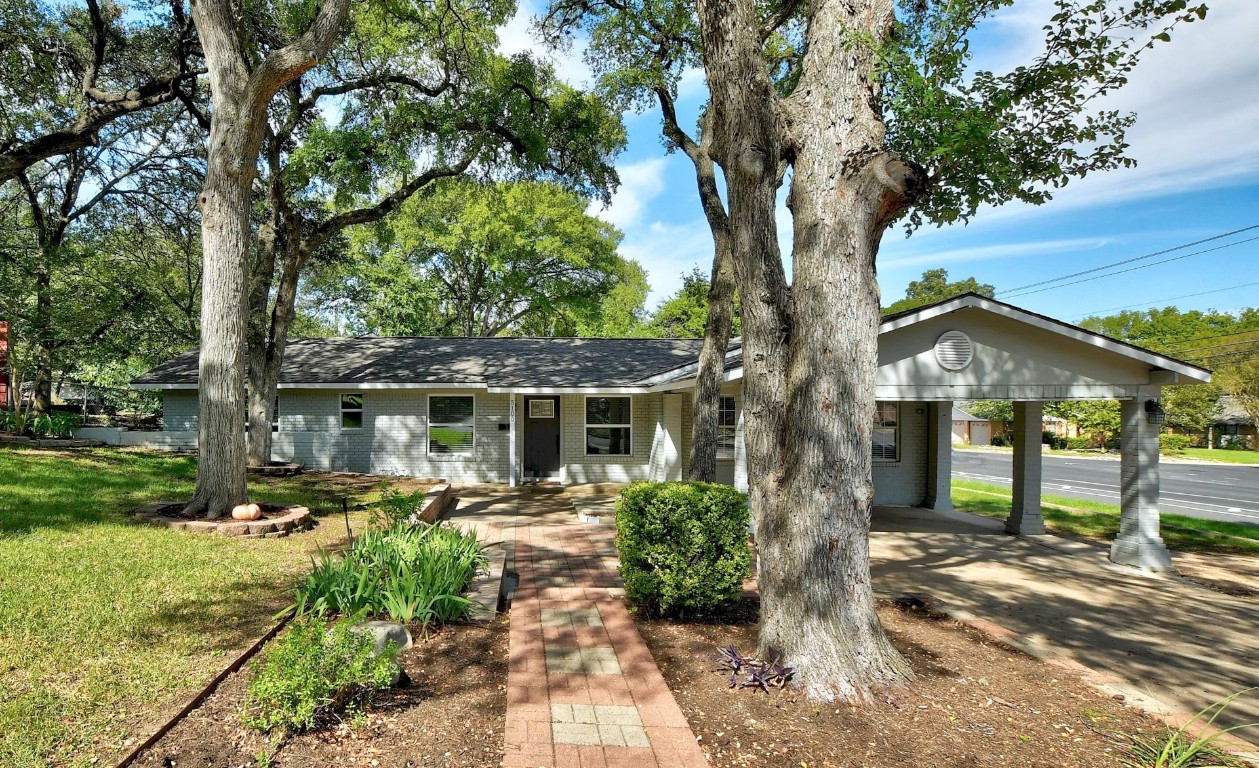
939,456
511,440
1025,518
1138,543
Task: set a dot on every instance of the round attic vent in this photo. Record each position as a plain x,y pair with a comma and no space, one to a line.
954,350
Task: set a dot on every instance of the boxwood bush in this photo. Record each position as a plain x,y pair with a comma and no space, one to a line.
683,546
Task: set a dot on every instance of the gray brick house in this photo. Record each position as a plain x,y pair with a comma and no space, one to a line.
506,410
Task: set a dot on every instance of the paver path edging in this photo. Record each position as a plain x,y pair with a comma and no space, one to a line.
582,687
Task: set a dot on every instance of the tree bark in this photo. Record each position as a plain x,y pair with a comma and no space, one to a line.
237,128
810,356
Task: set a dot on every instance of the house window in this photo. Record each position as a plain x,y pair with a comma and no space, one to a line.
451,428
352,411
727,416
884,433
608,426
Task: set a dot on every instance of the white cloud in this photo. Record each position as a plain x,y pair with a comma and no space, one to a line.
667,251
999,251
1197,126
641,183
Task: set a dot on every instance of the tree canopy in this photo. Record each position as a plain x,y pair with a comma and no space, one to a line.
934,286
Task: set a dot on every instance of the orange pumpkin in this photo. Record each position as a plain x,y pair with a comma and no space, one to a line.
246,512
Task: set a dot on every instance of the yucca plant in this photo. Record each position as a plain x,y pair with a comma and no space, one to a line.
1179,749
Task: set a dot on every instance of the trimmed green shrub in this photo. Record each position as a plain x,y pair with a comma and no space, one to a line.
1001,441
408,573
303,679
1174,443
1079,443
683,546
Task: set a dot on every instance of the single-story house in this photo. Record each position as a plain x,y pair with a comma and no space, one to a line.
1232,425
506,410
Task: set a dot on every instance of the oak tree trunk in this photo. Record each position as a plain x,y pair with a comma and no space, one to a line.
810,355
41,395
237,128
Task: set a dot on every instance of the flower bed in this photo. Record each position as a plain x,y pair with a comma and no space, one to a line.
277,520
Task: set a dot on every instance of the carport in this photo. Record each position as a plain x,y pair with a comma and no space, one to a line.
975,348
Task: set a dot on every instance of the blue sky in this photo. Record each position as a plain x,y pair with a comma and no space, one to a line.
1196,142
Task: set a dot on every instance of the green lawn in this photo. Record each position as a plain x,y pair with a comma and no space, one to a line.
1099,521
1231,457
106,626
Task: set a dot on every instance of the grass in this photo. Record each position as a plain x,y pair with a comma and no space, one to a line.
1094,520
1218,454
1197,454
106,626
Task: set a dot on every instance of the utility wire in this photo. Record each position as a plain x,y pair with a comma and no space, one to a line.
1133,269
1213,347
1151,302
1128,261
1213,336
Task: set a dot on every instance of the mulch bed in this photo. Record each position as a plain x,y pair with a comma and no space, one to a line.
452,714
974,703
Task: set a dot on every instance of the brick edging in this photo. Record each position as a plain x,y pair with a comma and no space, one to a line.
1104,682
295,518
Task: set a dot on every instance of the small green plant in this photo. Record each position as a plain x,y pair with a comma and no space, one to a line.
1079,443
683,546
1178,749
408,573
311,673
395,507
1174,443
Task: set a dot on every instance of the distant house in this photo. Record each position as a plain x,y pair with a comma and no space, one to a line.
971,430
1232,426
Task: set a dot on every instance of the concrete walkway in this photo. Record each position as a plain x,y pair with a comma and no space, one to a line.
582,687
1167,637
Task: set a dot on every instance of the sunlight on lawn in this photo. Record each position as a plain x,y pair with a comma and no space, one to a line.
108,625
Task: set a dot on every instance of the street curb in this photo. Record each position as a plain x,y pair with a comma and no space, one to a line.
1107,683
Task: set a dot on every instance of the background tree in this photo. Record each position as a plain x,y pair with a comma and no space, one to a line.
1192,409
934,286
83,68
685,314
1097,419
879,120
420,96
483,259
641,49
1241,380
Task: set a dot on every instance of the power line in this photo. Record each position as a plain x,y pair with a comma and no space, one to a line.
1133,269
1129,261
1159,301
1213,347
1213,336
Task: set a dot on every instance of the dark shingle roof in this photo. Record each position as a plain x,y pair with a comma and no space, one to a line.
496,362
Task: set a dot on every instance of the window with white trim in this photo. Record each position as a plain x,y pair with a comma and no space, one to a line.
885,432
608,426
451,424
352,410
727,418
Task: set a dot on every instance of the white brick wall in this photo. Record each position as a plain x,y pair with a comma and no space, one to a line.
904,482
580,468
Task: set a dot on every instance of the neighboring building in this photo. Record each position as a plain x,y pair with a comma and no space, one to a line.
503,410
5,382
971,430
1232,426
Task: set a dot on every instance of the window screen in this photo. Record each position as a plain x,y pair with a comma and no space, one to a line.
885,431
727,417
352,411
608,429
450,424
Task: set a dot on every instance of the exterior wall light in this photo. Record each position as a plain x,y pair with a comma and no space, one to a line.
1154,413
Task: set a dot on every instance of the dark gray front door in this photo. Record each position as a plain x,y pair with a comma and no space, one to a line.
542,437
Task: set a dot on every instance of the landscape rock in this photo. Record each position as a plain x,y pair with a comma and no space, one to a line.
382,632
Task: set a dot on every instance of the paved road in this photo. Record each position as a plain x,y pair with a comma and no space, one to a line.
1209,492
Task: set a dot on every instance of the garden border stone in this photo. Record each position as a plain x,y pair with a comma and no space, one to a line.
294,517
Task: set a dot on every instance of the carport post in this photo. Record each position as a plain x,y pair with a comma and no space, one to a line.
1138,543
1025,518
939,456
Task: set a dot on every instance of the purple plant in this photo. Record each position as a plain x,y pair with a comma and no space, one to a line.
752,673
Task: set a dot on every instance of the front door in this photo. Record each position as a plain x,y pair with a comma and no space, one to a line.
542,437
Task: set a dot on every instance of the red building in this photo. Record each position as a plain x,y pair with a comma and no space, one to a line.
4,364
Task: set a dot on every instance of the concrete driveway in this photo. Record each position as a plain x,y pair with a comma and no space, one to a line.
1183,644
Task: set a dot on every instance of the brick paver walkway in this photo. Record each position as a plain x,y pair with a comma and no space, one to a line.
582,688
